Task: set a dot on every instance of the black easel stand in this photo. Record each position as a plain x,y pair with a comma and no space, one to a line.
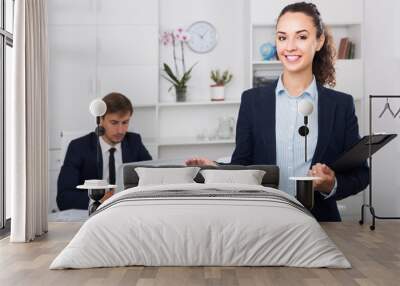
369,205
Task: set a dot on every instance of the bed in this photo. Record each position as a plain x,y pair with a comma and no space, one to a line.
201,224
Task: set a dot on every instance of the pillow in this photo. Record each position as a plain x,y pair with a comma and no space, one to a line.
163,176
248,177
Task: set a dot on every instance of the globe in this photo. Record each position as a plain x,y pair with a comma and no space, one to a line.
267,51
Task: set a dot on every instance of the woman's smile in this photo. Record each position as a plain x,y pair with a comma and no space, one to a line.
292,58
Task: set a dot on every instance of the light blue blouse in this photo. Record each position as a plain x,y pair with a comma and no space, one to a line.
289,143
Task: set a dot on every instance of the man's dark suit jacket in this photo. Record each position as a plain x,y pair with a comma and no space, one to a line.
337,132
80,165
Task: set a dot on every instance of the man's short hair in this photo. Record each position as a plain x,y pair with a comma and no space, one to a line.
118,103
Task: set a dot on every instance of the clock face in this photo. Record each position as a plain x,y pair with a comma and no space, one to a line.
203,37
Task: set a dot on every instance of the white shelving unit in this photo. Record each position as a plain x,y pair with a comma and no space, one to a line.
266,63
182,141
184,126
189,129
200,128
197,103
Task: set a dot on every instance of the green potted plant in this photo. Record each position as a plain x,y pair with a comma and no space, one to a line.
218,87
177,78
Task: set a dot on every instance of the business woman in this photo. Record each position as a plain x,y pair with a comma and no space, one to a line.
268,121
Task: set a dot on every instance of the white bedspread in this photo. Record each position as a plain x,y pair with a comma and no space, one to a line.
200,231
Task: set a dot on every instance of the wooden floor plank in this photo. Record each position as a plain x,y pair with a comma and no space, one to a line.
374,255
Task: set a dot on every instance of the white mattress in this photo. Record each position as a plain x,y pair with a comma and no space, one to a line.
182,231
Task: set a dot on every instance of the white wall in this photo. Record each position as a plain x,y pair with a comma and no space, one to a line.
382,71
229,18
266,12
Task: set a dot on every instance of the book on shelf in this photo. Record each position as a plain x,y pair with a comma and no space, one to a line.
351,50
343,48
346,49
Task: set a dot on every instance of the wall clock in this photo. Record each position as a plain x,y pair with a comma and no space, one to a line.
203,37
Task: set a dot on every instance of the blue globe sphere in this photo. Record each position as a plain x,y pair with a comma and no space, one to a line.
267,51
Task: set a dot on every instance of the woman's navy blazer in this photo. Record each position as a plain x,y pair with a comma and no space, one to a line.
337,132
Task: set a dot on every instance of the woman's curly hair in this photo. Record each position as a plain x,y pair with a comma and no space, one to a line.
323,65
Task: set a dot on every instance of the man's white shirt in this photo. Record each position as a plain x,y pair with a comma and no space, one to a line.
105,147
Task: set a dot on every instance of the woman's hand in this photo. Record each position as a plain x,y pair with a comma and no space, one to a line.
198,161
327,175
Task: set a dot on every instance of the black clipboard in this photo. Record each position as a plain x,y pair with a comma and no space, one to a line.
359,153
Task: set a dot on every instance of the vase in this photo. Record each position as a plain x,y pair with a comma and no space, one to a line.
180,93
217,93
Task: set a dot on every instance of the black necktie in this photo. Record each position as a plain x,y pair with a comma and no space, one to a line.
111,167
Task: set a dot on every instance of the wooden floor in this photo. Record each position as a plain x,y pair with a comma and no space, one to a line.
374,255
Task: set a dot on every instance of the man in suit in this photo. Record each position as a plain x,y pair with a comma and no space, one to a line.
117,146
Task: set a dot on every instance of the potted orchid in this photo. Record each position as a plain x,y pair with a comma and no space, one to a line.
178,78
218,87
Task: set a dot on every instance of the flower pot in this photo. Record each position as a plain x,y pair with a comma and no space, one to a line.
180,93
217,92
